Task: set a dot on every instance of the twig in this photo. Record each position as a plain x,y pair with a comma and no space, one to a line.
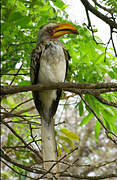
22,140
16,75
110,103
103,17
108,44
26,122
90,26
33,136
102,7
25,167
17,114
18,147
9,74
113,44
17,171
21,104
63,157
104,176
62,174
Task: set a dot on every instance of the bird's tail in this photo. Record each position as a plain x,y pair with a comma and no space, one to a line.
49,145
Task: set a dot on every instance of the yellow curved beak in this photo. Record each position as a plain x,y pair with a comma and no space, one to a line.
62,29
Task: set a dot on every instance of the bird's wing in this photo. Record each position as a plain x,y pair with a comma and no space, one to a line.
35,64
34,71
67,58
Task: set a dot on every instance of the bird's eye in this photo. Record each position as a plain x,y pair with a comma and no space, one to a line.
49,30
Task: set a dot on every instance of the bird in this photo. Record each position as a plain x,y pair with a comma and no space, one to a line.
49,64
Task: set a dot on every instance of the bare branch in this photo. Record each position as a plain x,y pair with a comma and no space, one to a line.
62,174
17,114
11,74
16,171
113,44
102,100
103,7
31,132
87,9
16,75
84,88
27,168
63,157
105,176
21,104
106,19
22,140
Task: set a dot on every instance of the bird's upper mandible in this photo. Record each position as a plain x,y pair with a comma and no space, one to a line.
54,30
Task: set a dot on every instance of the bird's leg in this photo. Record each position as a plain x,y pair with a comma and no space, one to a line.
49,145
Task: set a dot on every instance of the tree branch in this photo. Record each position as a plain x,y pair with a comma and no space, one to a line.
65,174
102,100
63,157
25,167
17,114
22,140
88,177
84,88
106,19
103,7
16,74
17,171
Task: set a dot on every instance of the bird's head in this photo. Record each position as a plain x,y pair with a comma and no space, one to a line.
54,31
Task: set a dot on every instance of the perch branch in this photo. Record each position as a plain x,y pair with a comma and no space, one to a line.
84,88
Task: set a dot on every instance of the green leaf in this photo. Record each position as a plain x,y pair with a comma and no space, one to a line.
59,149
65,147
70,134
14,16
67,140
23,22
100,58
109,114
10,140
97,129
107,124
10,101
59,3
24,83
81,110
114,127
86,119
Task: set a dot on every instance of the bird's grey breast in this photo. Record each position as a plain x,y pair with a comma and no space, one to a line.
52,64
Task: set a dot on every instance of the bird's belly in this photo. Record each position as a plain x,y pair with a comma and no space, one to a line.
47,98
54,72
51,71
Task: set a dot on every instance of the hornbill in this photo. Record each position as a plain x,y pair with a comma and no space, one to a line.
49,63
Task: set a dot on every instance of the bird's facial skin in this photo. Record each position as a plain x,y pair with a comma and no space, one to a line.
61,29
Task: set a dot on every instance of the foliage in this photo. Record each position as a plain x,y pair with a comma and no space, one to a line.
92,62
112,4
